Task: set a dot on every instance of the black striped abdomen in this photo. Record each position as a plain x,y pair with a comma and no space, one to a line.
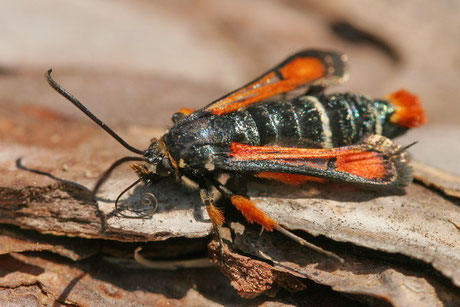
294,122
309,121
352,117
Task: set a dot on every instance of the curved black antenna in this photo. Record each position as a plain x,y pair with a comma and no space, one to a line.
146,199
79,105
107,173
124,191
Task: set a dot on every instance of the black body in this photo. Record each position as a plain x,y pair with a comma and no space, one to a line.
306,121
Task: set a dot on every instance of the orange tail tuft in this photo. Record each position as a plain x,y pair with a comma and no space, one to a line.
409,111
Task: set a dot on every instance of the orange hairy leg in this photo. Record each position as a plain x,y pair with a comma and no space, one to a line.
215,214
255,215
252,213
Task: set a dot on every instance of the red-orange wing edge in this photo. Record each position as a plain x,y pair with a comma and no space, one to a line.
304,69
377,161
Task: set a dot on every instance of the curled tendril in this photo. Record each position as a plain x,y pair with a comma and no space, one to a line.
147,199
150,200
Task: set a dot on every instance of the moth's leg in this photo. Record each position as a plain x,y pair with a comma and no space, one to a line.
215,214
191,183
254,215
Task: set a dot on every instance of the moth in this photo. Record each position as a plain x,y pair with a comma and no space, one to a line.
269,129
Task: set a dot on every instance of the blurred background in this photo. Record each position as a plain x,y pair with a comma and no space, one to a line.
134,63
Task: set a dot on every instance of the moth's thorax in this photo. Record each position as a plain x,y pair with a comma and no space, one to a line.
191,144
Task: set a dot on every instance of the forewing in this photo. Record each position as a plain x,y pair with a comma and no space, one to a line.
304,69
377,161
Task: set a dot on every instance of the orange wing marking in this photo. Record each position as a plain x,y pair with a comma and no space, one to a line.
296,73
304,69
354,160
248,152
369,165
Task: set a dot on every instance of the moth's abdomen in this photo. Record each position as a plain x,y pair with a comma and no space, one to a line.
352,117
310,121
305,121
288,123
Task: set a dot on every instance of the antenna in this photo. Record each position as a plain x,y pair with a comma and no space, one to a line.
109,171
79,105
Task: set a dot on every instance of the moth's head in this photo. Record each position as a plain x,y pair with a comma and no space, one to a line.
158,159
